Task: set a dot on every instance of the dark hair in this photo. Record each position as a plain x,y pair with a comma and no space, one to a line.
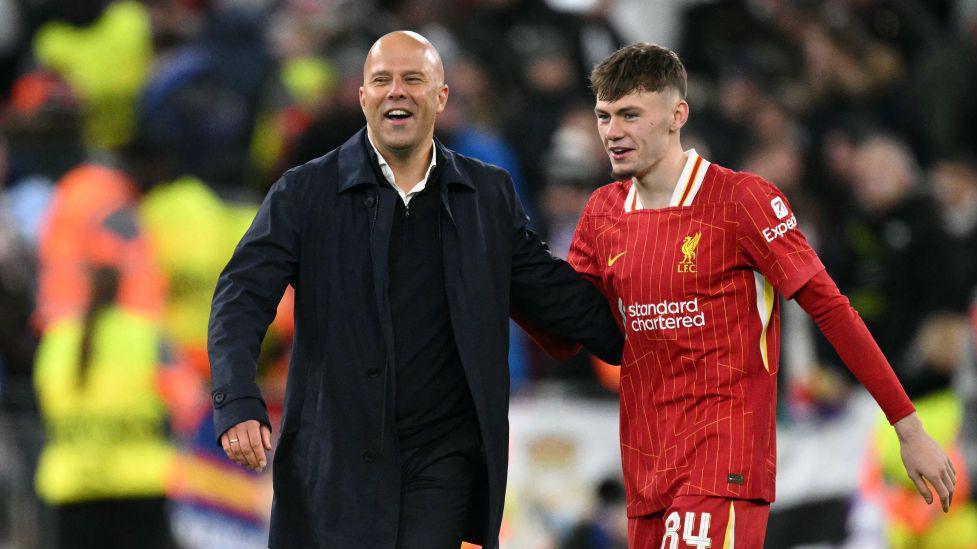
638,67
105,286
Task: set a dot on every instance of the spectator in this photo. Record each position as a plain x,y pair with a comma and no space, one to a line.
954,185
605,526
891,267
106,457
17,340
94,207
104,50
203,101
574,160
551,92
43,124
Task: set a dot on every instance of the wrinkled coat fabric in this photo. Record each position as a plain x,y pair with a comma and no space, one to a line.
324,227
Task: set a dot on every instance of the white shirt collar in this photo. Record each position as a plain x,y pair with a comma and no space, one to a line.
388,173
688,184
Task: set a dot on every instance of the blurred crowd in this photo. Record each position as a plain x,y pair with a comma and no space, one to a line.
137,138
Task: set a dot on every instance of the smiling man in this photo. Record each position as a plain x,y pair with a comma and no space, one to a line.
405,258
400,125
694,255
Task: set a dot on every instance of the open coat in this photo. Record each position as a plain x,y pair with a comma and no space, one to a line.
324,228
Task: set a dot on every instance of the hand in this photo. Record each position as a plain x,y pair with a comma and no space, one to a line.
246,443
925,460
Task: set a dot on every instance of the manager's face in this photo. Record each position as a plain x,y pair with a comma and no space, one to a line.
403,92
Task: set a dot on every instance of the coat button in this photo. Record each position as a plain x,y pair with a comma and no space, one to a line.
369,456
373,372
218,397
369,201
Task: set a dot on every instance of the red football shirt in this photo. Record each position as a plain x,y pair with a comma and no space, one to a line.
695,284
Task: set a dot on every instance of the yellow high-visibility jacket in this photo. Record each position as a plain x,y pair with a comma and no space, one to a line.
106,437
910,522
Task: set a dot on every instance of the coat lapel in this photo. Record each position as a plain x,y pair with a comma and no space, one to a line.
358,170
463,252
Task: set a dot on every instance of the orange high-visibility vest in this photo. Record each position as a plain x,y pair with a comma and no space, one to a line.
75,235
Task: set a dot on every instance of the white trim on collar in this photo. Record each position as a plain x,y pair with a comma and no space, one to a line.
686,187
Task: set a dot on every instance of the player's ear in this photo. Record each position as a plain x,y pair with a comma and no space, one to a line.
680,114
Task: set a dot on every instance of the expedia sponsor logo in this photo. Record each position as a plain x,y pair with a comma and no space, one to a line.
779,208
665,315
780,229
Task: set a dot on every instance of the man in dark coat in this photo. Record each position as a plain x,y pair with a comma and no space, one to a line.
405,258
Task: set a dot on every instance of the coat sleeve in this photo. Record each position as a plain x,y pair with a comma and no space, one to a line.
245,301
551,300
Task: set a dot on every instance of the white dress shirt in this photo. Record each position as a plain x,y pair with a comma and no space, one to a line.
388,173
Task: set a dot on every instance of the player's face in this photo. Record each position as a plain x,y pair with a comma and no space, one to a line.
636,129
403,92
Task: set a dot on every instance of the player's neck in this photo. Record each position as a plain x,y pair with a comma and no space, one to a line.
655,187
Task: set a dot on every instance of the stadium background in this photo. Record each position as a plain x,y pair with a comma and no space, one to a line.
862,111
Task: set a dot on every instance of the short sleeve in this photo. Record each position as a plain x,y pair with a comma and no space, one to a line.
769,236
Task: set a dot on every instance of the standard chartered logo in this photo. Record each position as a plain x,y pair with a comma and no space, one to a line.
664,315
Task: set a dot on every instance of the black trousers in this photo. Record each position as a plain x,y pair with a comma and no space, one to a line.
138,523
437,489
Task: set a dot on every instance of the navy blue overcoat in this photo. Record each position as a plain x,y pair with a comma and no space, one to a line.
324,228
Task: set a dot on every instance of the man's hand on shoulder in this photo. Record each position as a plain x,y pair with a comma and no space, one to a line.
246,444
924,459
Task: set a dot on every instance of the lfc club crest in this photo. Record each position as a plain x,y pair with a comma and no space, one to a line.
689,244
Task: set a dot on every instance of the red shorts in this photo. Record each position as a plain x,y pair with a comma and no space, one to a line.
701,522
